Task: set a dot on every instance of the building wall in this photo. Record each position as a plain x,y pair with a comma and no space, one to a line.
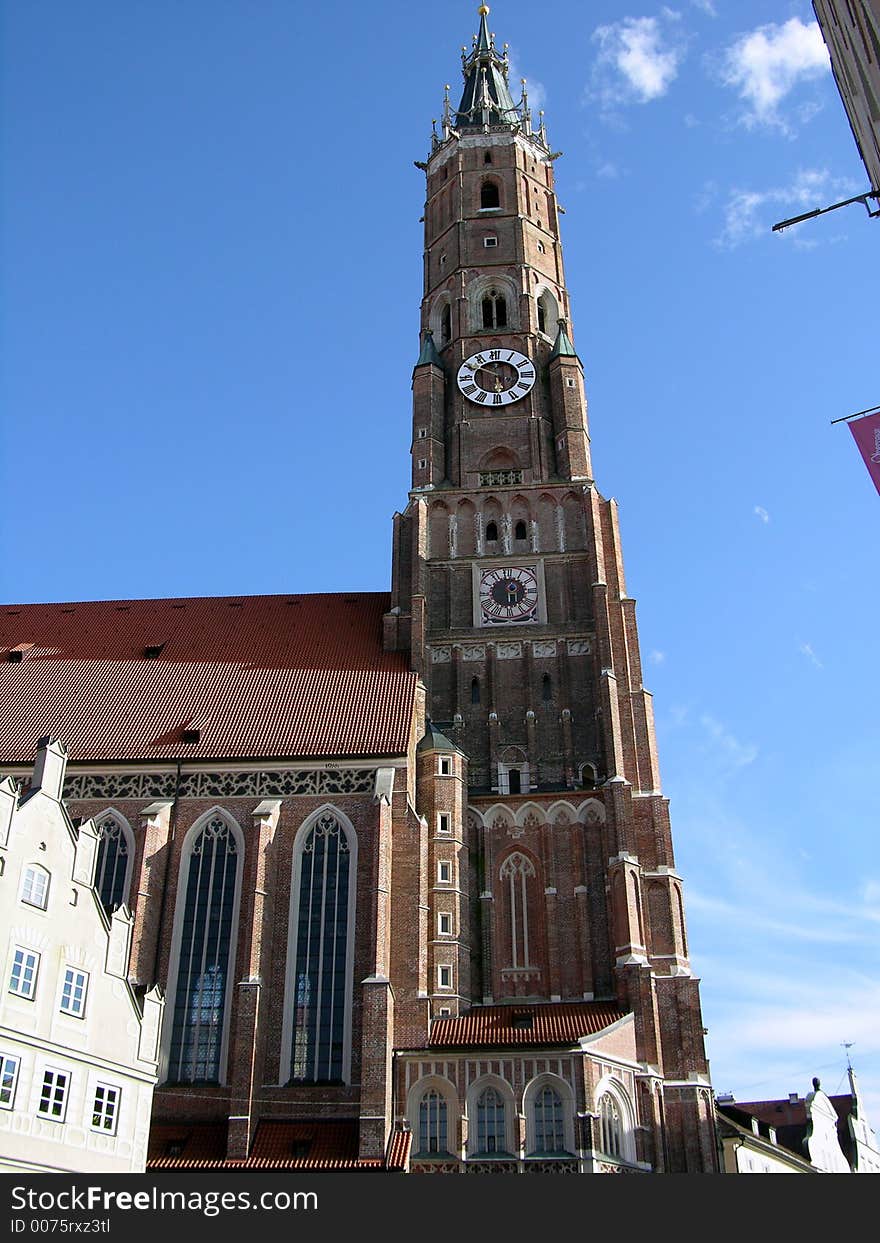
851,29
108,1044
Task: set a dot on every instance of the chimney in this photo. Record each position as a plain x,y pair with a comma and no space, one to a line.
50,767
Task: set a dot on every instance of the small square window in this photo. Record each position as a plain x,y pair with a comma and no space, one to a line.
445,1012
35,887
444,872
443,260
444,822
53,1098
422,463
445,766
489,242
105,1109
444,977
8,1080
23,980
540,248
569,381
444,924
73,992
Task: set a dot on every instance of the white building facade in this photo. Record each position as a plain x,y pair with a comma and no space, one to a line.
78,1052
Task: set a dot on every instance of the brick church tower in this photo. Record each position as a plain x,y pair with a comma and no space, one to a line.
400,864
508,594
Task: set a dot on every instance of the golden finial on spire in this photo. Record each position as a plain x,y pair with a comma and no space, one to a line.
483,10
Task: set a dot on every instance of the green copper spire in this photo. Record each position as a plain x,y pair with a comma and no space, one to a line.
563,347
428,352
486,99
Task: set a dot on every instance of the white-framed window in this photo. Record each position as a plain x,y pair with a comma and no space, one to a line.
423,432
73,992
443,260
23,977
444,976
444,822
433,1124
115,858
540,248
444,872
444,924
444,1012
489,242
8,1079
53,1096
549,1109
445,767
423,462
35,886
616,1122
105,1108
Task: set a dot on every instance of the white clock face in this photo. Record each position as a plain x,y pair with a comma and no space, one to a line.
496,377
508,594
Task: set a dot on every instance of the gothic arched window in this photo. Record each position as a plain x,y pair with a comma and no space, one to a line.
491,1122
516,871
520,531
433,1123
475,690
205,960
114,861
445,324
494,310
322,933
489,196
492,533
549,1121
546,688
611,1127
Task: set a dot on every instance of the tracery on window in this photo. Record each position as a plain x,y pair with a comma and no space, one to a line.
205,956
321,928
516,871
111,870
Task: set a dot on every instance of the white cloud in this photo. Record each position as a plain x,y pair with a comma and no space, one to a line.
608,171
806,649
705,6
657,657
768,62
748,213
637,60
731,750
761,513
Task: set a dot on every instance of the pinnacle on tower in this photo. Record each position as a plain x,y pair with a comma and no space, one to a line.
486,99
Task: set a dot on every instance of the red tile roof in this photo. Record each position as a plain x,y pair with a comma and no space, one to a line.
556,1023
277,1145
399,1146
260,677
173,1143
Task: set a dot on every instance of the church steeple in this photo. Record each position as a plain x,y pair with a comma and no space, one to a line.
486,99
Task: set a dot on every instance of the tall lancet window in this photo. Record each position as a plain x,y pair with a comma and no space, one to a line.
515,873
205,957
114,861
322,883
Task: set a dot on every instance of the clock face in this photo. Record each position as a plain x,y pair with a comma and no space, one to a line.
496,377
508,594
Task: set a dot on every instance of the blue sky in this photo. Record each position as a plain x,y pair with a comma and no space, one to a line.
211,266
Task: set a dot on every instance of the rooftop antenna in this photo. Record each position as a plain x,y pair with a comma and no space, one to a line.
848,1044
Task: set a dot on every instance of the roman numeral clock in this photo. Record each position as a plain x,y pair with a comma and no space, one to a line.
496,377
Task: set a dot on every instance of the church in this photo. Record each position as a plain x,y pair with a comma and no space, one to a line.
400,863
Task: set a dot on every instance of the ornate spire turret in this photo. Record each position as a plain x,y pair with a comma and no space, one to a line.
486,99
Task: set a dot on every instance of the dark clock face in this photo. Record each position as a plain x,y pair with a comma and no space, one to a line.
508,594
496,377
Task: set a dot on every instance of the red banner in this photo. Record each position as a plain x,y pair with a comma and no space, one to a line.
866,433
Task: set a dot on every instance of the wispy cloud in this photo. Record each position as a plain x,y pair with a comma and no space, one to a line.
638,59
806,649
729,748
657,657
766,64
749,214
761,512
705,6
